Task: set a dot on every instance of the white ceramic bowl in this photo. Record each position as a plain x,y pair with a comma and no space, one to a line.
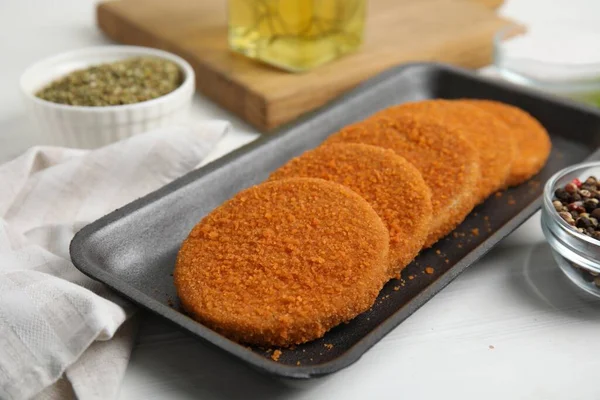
91,127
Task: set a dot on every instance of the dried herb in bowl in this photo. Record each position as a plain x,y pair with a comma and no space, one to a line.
127,81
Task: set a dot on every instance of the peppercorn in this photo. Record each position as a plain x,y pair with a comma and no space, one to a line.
575,197
574,214
576,206
588,187
583,222
558,206
567,217
589,204
561,194
571,187
591,180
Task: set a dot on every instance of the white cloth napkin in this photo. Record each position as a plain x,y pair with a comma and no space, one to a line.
61,333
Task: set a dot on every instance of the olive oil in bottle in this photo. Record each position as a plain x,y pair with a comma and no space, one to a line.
296,35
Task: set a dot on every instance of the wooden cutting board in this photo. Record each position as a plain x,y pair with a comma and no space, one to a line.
454,31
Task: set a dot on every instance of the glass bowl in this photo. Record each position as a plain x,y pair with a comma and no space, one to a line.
561,60
577,255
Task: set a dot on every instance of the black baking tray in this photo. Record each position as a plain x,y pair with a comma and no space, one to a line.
133,249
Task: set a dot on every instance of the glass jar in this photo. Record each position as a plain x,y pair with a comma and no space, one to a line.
577,255
296,35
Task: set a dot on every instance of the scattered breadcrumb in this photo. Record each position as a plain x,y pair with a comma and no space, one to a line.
297,362
396,288
459,246
498,194
411,277
329,346
276,355
475,231
429,270
447,261
438,252
511,201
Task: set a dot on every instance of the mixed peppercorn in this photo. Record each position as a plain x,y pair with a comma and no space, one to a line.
578,203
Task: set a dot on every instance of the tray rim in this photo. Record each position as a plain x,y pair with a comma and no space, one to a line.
76,248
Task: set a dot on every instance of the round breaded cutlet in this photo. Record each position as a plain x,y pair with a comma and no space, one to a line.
283,262
533,141
490,137
392,185
447,161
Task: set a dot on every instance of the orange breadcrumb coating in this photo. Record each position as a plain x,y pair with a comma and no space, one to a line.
533,142
393,186
283,262
448,163
490,137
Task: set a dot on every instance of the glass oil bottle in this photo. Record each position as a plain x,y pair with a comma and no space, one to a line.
296,35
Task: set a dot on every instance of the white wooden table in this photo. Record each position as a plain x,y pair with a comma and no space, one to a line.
511,327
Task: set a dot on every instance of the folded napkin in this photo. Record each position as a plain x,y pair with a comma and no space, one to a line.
63,334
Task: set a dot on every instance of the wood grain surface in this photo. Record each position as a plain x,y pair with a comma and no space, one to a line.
490,3
454,31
